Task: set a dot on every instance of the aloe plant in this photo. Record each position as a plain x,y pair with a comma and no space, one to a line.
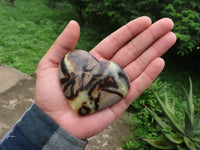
177,134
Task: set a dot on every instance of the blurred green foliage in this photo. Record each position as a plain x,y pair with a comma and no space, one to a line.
110,14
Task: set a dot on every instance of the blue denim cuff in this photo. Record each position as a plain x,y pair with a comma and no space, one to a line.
35,131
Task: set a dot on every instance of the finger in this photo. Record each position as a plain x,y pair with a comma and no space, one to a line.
140,43
64,43
139,85
110,45
136,67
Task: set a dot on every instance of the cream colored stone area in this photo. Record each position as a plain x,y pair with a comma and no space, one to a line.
10,77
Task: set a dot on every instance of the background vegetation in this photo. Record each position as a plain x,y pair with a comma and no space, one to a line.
28,28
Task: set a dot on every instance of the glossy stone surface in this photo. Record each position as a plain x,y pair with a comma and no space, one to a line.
91,85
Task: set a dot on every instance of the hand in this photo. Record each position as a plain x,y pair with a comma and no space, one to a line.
136,47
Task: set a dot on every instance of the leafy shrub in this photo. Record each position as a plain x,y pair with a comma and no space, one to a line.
177,135
87,40
112,14
148,97
186,17
142,123
141,120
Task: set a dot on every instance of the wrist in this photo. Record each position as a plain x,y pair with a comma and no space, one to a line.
36,129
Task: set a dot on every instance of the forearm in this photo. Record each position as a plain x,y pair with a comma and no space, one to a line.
35,130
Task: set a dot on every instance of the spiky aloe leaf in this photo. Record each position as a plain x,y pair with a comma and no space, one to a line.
180,147
196,140
189,143
188,125
173,106
166,129
160,143
158,119
168,104
197,145
172,136
196,124
190,104
174,120
166,99
196,132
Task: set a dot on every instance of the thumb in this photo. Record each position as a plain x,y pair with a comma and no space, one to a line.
64,43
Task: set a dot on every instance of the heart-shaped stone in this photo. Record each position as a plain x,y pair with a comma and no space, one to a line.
91,85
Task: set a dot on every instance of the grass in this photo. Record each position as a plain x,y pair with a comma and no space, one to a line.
23,34
28,29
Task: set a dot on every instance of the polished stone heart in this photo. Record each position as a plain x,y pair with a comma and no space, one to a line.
91,85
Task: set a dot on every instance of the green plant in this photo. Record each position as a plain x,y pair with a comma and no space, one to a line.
113,13
28,29
26,32
177,135
186,17
140,120
149,98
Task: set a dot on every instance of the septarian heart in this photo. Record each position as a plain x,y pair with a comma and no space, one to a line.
91,85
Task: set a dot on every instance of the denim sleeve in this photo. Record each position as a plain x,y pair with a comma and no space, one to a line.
36,131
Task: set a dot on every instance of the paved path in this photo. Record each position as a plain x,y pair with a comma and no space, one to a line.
17,94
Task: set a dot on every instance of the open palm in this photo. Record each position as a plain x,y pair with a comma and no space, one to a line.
136,47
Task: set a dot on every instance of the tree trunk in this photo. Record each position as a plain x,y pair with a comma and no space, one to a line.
79,11
11,2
